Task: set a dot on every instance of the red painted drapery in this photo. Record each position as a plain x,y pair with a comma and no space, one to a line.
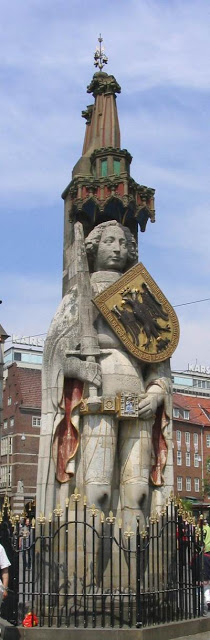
66,438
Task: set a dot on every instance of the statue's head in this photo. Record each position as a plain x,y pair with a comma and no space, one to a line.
111,247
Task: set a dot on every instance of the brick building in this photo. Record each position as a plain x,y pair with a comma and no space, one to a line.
20,426
191,436
3,337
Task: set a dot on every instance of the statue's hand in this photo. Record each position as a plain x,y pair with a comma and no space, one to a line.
150,402
93,373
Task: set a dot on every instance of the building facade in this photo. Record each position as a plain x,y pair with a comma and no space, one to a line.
20,427
3,337
191,435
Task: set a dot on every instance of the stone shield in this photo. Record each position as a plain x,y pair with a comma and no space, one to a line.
140,315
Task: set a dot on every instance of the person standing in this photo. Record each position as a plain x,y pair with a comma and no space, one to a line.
4,567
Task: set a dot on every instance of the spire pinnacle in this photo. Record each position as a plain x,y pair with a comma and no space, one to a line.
99,55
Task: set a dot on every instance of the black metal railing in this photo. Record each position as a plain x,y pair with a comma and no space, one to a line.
80,569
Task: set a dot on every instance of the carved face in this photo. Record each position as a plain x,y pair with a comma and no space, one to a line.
112,250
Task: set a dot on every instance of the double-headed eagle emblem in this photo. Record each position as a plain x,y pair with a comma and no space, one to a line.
140,315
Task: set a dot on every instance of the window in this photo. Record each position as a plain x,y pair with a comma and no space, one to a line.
179,458
3,476
179,483
197,484
10,444
188,484
36,421
175,412
208,465
178,436
187,437
9,468
12,422
3,446
196,460
17,356
208,440
94,170
116,166
9,401
186,414
104,168
5,424
187,459
195,439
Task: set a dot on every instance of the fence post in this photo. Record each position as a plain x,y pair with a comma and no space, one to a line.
138,578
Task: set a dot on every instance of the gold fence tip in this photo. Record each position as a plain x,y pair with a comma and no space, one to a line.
33,522
58,511
129,533
94,511
67,502
76,495
152,518
85,501
41,519
120,523
50,516
102,517
111,519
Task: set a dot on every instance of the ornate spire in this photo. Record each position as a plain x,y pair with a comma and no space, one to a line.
99,55
101,187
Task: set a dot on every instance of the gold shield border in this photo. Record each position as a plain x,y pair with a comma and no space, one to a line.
100,302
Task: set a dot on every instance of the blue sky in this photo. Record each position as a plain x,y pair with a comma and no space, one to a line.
159,52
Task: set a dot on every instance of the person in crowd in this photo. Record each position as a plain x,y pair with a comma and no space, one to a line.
4,567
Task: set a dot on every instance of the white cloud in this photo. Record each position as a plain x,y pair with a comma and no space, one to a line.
29,303
194,344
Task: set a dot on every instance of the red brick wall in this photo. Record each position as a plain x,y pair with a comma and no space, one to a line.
24,457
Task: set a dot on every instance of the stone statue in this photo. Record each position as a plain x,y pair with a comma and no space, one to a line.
81,444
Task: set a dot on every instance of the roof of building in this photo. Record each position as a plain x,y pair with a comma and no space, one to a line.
3,334
198,407
30,386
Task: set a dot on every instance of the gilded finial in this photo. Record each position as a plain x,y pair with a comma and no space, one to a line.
100,59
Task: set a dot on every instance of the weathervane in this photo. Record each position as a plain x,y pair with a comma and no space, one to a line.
99,55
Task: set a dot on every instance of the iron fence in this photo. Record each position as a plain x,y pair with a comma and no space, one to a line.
80,569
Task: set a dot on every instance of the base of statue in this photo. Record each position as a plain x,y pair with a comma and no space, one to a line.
168,631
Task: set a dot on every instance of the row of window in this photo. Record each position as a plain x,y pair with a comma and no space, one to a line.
11,423
191,382
188,484
36,422
201,384
197,459
187,437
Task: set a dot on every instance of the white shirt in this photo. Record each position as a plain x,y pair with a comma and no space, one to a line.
4,561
